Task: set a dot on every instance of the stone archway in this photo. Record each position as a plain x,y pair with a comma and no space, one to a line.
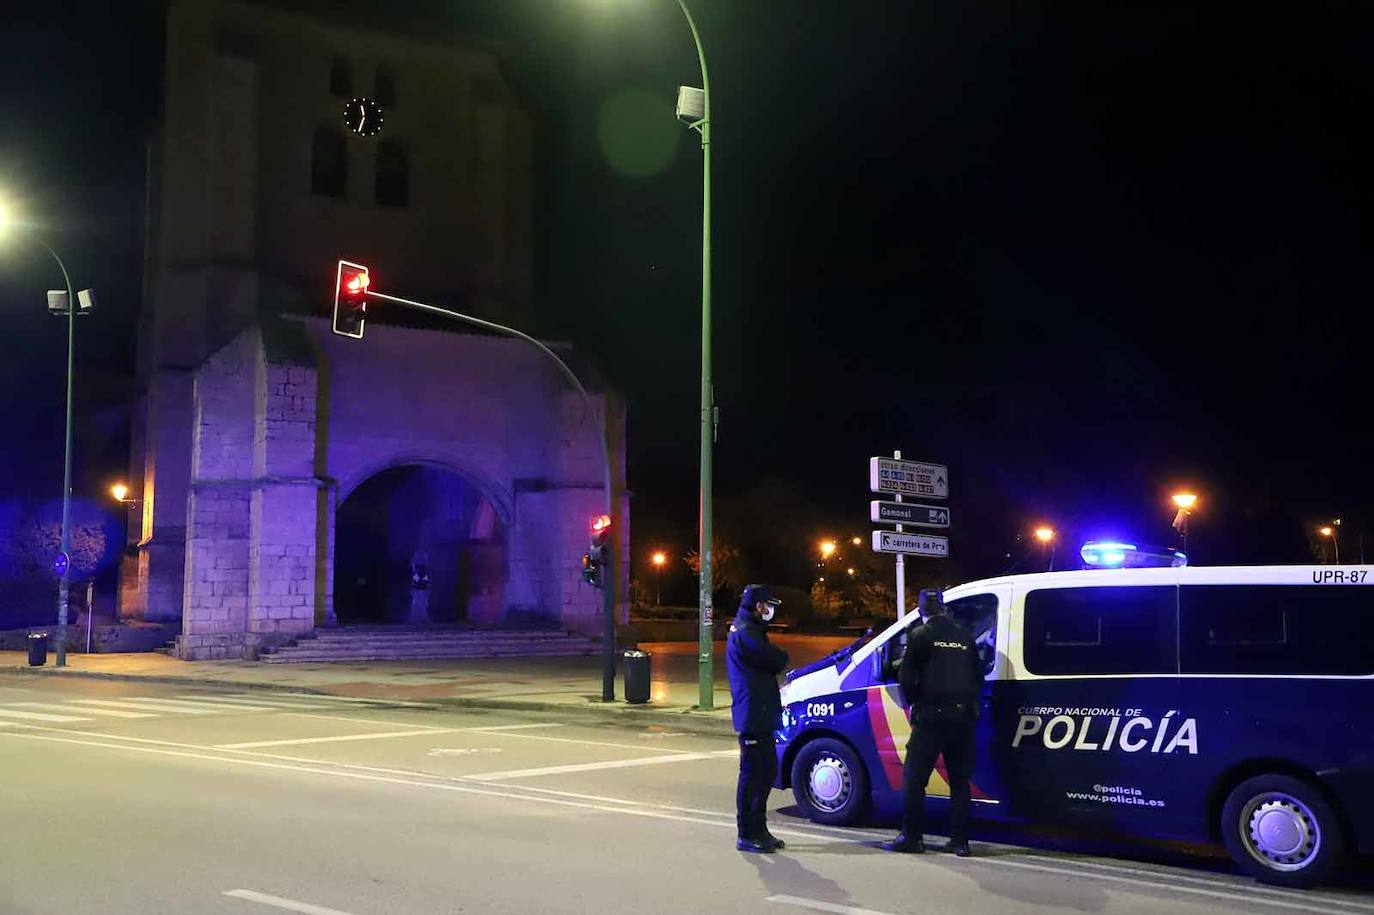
419,514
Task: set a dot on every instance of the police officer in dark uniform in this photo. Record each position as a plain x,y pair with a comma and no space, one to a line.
942,681
753,665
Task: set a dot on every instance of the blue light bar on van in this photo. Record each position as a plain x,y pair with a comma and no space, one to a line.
1107,554
1115,554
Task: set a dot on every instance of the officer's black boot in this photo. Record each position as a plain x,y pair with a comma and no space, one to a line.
957,847
778,844
901,843
760,846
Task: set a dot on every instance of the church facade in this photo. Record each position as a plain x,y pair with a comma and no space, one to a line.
292,478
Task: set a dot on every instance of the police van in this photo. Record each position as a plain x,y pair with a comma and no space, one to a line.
1179,703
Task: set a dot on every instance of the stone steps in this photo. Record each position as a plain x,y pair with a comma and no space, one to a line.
413,643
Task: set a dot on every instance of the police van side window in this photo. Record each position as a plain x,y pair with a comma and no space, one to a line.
1111,630
978,614
1277,629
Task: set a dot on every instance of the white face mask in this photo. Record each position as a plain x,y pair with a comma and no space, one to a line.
766,614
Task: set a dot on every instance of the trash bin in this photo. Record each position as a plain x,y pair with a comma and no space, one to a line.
636,676
38,649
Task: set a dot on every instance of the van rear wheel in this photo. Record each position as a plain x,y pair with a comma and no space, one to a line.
1281,830
829,782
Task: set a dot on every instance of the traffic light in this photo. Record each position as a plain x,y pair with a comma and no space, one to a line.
350,299
597,556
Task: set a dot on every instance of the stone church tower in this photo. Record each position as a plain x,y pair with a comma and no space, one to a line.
293,478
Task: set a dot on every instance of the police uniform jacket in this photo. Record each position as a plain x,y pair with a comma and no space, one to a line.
753,664
941,668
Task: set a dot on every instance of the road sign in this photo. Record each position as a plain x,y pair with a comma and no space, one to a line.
912,513
908,478
910,544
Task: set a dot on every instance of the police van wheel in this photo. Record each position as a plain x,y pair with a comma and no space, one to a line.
1280,830
829,782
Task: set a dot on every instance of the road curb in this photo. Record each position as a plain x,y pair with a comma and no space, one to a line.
619,714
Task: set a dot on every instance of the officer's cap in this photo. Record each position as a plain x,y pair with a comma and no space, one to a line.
754,594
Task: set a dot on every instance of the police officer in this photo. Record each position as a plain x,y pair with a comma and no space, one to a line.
753,665
942,681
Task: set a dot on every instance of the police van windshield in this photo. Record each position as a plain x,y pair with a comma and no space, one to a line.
976,613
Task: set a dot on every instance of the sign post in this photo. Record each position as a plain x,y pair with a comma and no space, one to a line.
911,478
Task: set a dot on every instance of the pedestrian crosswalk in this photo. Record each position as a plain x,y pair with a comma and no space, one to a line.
78,709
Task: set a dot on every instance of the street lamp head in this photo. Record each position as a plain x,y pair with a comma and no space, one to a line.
828,548
659,559
857,541
119,491
1185,500
1044,534
1325,531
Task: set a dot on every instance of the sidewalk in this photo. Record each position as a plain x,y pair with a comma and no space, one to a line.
567,686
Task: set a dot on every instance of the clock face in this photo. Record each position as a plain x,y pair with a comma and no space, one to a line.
363,116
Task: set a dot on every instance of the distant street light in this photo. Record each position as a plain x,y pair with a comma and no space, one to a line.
828,548
62,302
659,560
857,541
1185,502
1046,537
1330,531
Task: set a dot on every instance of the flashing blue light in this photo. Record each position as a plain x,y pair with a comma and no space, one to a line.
1105,553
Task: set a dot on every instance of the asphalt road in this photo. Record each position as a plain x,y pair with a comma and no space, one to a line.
130,798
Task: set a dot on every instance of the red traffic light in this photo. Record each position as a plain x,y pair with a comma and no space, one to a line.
350,299
601,523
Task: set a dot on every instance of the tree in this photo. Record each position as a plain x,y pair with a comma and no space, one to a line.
726,568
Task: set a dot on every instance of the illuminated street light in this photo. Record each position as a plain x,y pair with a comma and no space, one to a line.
1046,537
120,492
850,570
659,559
1185,501
828,548
69,308
1331,531
857,541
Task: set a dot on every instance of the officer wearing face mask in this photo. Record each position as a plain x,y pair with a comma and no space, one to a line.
753,665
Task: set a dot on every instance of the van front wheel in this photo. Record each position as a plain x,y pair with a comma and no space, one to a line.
829,782
1281,830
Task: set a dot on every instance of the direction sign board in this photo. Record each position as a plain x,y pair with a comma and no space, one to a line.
908,478
910,544
911,513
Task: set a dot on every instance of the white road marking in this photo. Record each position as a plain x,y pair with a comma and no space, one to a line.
1247,898
42,716
818,906
585,767
218,706
408,724
1303,900
144,706
109,713
378,735
291,905
596,743
462,751
514,727
253,703
330,697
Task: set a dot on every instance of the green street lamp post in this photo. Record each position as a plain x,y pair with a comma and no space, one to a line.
696,107
63,564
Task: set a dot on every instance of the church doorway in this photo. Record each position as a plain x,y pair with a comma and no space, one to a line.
418,545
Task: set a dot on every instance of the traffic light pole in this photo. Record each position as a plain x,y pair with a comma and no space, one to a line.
608,589
706,642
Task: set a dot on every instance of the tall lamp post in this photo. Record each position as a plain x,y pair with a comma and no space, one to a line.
63,302
694,107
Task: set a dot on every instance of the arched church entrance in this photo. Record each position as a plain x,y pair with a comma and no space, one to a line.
418,544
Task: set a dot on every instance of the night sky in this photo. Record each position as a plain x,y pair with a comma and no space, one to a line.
1080,254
